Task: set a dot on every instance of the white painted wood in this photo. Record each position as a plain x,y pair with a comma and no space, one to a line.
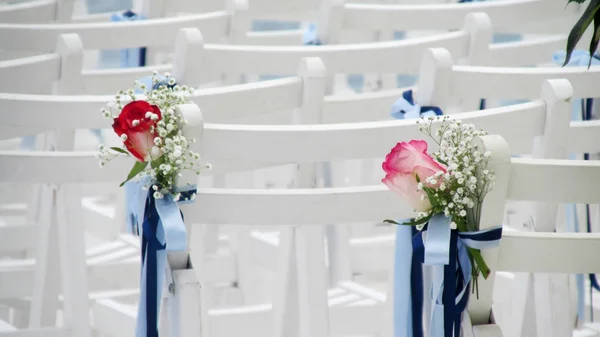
46,67
503,83
72,256
188,55
70,49
363,140
551,290
47,278
389,17
184,307
115,35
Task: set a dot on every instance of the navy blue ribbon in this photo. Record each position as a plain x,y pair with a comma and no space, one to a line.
150,247
416,290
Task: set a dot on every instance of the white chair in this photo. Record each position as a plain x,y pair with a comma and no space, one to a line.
307,141
541,180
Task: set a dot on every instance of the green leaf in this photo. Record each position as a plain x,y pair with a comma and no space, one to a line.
441,161
120,150
431,196
595,37
420,221
391,221
580,27
135,170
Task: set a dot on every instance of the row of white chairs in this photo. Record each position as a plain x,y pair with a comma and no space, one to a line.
215,28
280,81
529,181
397,93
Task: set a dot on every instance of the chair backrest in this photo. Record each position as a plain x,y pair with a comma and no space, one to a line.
441,81
539,180
58,72
402,17
37,11
63,69
113,35
30,114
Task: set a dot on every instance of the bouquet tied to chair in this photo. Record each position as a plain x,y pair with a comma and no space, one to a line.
446,188
151,122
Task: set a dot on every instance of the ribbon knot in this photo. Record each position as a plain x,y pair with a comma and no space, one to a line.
405,107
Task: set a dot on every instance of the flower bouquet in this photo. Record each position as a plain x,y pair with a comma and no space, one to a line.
446,188
150,121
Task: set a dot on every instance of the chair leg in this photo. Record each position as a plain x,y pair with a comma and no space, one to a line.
72,260
44,303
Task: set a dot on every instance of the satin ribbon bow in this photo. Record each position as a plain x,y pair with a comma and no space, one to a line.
446,250
405,107
163,230
310,36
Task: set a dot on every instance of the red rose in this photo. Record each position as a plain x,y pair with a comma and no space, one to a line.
135,123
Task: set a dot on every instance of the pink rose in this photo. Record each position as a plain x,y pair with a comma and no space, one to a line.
403,164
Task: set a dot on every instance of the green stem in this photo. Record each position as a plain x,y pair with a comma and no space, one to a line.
478,258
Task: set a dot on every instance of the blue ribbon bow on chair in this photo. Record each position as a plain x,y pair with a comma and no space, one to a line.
582,110
405,107
310,36
162,230
446,250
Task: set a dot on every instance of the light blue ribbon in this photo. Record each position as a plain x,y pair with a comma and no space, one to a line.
405,324
403,319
